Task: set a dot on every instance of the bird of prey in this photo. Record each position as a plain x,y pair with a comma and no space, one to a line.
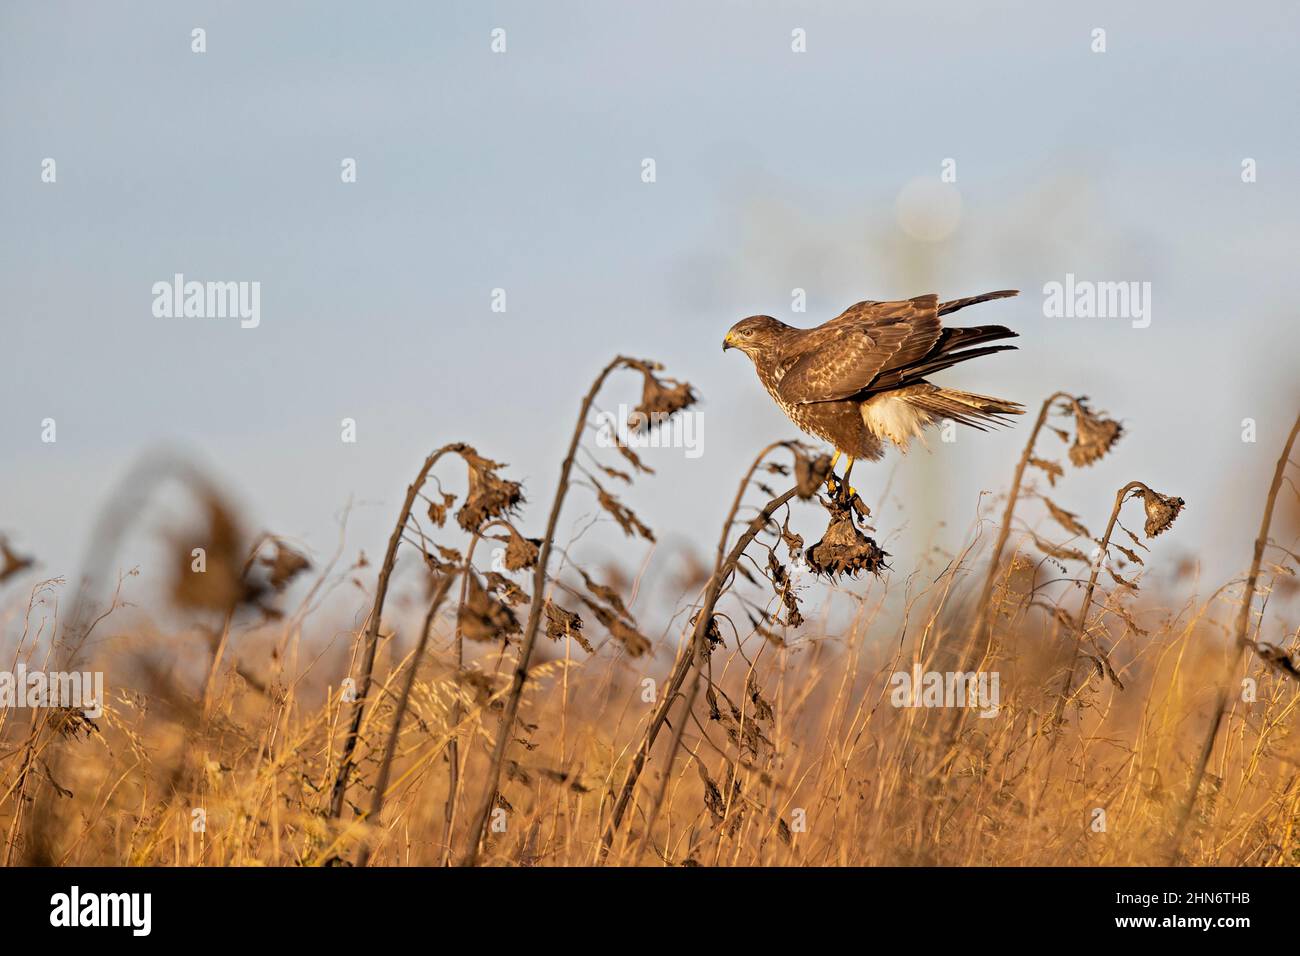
863,376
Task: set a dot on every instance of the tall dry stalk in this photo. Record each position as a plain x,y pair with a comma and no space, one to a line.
125,506
682,665
981,636
1081,625
863,775
440,589
697,655
1094,437
1243,624
219,648
511,712
338,792
453,746
1013,496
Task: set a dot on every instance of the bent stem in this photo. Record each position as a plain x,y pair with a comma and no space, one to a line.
740,495
684,660
479,820
984,628
219,649
699,653
1243,624
340,787
386,766
981,635
126,505
453,746
1081,626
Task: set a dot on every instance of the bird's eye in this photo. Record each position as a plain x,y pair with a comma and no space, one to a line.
746,332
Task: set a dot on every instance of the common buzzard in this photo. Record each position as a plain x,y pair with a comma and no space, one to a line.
862,377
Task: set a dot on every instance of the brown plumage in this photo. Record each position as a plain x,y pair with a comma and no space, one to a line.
862,377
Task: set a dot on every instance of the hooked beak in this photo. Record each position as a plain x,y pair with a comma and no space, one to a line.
727,343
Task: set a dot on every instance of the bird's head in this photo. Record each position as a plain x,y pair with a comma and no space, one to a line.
752,334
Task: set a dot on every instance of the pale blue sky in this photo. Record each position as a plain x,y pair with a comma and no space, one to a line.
775,170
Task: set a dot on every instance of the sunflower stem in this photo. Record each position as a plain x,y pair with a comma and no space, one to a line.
984,625
1081,625
1243,624
682,665
479,820
339,790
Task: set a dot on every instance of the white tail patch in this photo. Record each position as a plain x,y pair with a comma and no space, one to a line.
891,416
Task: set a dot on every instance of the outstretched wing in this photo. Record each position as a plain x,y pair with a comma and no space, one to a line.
845,355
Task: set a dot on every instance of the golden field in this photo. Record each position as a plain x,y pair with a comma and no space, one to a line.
453,719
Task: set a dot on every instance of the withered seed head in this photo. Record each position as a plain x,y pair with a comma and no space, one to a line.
1094,435
845,550
221,585
490,496
660,398
810,473
1162,510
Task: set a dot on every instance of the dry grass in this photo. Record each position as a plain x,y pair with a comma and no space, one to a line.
743,735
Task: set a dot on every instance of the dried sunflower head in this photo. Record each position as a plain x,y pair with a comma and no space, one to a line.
660,399
1161,510
490,496
844,549
209,573
1094,435
810,473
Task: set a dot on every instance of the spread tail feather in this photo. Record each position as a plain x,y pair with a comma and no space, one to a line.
904,414
954,345
967,408
955,304
937,363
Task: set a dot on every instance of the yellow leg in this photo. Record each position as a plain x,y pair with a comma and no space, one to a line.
847,470
830,479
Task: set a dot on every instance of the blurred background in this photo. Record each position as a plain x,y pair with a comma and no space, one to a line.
775,170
